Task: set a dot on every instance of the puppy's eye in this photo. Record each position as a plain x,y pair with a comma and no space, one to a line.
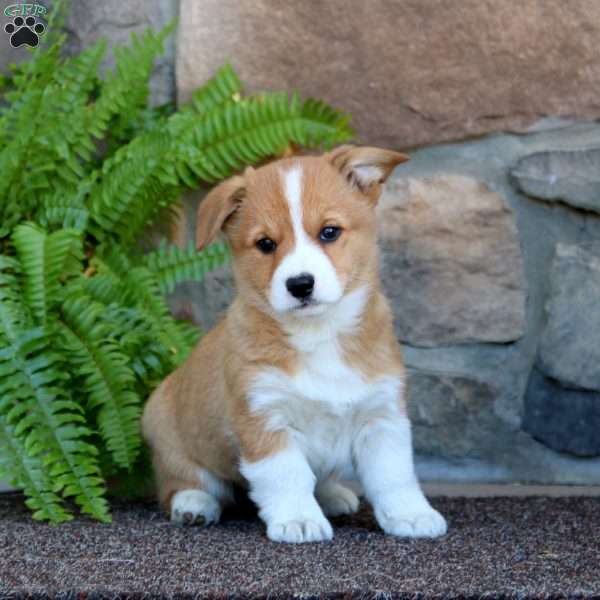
329,234
266,245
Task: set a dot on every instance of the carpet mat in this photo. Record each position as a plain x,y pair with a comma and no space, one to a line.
496,548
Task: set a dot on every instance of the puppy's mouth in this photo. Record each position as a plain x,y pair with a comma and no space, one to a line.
309,306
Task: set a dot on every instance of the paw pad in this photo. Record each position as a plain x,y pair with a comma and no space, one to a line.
24,31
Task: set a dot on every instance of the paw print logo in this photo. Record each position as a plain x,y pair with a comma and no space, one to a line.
24,31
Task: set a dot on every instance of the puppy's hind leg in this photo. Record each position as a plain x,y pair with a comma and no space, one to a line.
194,506
188,492
193,500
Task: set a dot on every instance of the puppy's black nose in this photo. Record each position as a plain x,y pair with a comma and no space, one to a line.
302,286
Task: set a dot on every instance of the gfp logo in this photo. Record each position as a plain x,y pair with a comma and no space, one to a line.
25,28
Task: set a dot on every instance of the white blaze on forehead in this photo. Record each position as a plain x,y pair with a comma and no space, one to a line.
306,256
292,181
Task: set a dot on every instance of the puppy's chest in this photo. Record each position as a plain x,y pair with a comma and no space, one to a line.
323,404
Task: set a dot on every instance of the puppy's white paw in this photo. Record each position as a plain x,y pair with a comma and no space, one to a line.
426,523
336,499
301,531
194,507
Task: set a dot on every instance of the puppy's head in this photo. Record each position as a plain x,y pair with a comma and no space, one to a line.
302,230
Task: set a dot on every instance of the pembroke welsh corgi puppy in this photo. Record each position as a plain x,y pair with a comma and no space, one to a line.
301,385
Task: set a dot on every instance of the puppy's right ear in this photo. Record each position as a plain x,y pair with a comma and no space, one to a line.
217,207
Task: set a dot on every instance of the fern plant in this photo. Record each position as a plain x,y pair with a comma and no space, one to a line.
85,331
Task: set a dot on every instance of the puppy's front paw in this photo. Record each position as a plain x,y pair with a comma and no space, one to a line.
194,507
301,531
336,499
426,523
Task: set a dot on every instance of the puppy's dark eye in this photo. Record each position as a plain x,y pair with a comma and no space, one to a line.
266,245
329,234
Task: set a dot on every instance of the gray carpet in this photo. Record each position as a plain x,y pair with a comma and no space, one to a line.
496,547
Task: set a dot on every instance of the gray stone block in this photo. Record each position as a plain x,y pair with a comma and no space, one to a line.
570,342
566,420
572,177
450,413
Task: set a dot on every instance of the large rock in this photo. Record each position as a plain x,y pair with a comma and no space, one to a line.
450,414
572,177
411,72
564,419
452,263
570,343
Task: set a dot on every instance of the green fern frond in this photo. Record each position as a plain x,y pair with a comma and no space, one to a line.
42,153
18,130
148,359
242,133
172,265
138,171
155,310
43,414
14,314
16,465
124,91
28,77
45,259
67,208
107,379
29,474
223,87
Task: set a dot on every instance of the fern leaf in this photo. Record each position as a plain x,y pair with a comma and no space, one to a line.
29,474
172,265
23,471
242,133
124,91
44,415
13,312
106,377
150,361
45,258
154,308
39,414
223,87
133,187
42,154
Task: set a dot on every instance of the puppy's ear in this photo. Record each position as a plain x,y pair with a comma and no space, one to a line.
365,168
217,207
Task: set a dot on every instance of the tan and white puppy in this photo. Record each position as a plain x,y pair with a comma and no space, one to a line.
302,384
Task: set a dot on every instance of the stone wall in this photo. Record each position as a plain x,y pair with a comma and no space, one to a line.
488,250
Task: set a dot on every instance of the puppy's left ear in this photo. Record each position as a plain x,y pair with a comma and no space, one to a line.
365,168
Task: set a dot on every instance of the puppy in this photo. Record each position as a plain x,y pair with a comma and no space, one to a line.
301,385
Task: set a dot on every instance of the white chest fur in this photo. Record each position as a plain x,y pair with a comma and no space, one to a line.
326,402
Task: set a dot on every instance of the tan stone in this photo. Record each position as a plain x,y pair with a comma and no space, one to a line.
451,262
411,72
